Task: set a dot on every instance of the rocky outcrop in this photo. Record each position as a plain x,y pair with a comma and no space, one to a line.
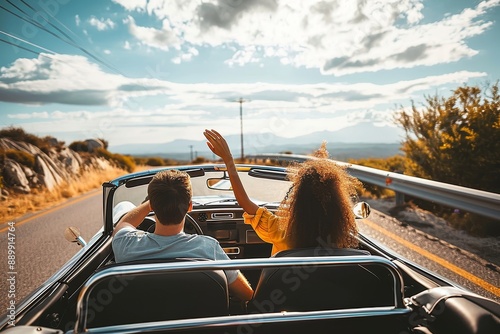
13,174
94,144
51,168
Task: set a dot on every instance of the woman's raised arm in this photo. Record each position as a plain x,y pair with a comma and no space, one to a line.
219,147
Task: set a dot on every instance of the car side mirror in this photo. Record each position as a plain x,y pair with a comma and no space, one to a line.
361,210
72,234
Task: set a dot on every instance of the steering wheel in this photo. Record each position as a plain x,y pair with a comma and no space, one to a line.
190,225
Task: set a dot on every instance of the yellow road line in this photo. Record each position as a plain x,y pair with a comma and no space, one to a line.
457,270
55,208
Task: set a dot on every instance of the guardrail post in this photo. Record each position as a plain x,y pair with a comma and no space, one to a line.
400,197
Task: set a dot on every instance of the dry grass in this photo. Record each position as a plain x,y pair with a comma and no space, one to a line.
17,205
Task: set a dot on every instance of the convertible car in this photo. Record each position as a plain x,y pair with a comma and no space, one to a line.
320,290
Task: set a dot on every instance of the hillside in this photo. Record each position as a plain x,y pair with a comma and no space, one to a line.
36,173
24,166
363,140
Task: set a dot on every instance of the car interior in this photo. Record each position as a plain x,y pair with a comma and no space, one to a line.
361,290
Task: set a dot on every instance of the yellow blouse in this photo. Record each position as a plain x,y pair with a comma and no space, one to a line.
265,224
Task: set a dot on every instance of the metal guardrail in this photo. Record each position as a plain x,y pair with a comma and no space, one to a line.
471,200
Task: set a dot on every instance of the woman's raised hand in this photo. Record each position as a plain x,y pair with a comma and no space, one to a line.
218,145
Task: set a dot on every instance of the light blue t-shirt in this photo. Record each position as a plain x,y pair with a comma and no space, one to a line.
130,244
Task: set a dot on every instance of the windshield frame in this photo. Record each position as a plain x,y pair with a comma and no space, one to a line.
115,191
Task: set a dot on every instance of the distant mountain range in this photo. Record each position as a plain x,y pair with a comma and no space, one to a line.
363,140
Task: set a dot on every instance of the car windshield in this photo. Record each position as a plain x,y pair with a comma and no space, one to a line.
263,188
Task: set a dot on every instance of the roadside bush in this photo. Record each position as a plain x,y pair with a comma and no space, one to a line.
21,157
455,139
104,142
392,164
18,134
170,162
122,161
154,162
79,146
199,160
140,161
473,224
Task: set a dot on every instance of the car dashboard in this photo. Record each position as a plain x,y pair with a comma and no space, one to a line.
228,227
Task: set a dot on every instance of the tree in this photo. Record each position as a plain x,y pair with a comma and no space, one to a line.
456,139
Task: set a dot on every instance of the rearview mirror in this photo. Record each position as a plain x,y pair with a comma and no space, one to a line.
361,210
219,184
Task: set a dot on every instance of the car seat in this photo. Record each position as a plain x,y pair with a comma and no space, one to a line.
312,288
135,292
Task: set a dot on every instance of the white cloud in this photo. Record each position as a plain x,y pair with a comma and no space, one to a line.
33,115
101,24
186,56
127,45
77,20
74,80
59,79
336,37
162,39
132,5
243,57
129,109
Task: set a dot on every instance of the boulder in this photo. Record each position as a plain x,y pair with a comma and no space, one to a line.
47,175
14,176
52,141
94,144
71,160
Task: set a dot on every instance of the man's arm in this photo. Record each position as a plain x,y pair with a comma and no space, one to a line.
218,146
134,217
240,288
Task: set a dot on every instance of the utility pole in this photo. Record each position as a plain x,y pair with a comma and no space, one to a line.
191,146
240,100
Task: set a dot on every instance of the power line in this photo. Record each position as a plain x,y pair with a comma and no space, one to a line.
67,38
26,49
25,41
32,51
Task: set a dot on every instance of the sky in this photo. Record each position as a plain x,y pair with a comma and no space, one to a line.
152,71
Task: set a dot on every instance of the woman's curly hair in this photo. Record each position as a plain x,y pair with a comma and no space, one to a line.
317,210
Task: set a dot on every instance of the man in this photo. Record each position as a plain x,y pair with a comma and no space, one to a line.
169,194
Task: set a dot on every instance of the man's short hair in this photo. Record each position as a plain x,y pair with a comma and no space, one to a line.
170,194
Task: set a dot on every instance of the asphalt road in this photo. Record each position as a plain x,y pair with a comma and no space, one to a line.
40,248
467,270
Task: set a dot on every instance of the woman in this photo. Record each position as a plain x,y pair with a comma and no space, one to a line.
316,211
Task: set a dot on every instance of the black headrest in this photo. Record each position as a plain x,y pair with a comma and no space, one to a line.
134,296
309,288
321,251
